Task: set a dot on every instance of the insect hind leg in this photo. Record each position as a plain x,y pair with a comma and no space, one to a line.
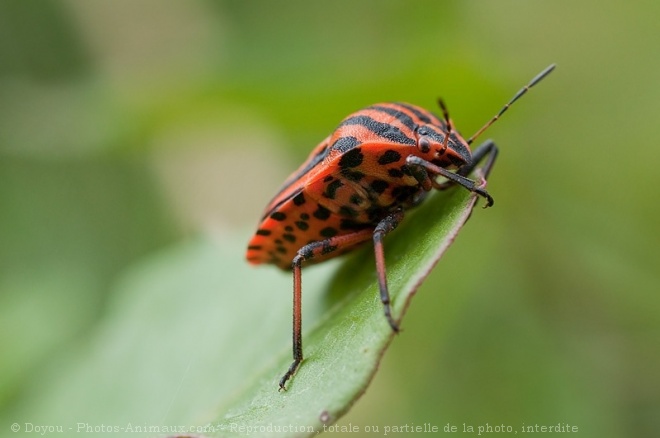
386,225
307,252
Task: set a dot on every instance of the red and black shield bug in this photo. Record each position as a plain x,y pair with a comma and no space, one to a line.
356,185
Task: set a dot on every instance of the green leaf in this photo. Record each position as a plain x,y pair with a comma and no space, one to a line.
198,337
343,349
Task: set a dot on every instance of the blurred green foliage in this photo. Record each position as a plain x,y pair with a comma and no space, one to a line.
128,126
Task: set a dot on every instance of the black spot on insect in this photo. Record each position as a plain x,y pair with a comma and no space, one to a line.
395,173
375,213
302,225
441,162
278,216
328,232
327,249
278,241
345,210
404,193
299,199
401,116
281,249
263,232
390,156
420,115
254,247
385,130
328,178
289,237
379,186
356,199
353,175
288,228
406,170
350,224
322,213
308,253
352,158
331,189
345,144
304,216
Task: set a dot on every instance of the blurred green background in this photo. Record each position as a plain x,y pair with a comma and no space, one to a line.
128,126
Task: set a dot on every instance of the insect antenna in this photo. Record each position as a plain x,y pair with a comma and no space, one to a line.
519,94
445,115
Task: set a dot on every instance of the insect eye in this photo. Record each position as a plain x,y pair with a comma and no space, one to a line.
422,131
424,145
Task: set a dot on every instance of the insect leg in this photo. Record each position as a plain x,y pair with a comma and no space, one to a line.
385,226
305,253
417,199
456,178
487,150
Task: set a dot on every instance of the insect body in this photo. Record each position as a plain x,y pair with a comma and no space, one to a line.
356,185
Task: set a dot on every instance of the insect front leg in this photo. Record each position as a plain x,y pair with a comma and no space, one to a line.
307,252
382,229
487,150
431,168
